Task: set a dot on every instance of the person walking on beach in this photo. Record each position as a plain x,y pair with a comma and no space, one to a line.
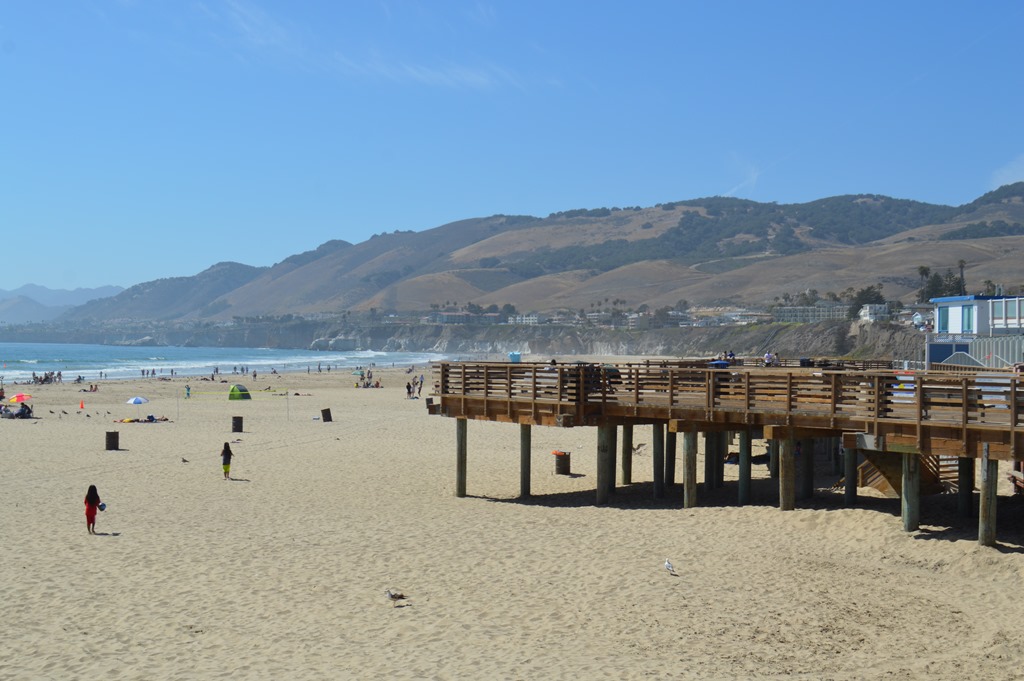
225,459
92,504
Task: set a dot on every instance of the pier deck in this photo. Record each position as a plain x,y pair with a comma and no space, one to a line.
929,412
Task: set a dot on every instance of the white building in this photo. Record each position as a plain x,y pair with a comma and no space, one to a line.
874,312
526,319
962,315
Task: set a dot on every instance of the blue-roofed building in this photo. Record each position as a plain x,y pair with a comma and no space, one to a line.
978,330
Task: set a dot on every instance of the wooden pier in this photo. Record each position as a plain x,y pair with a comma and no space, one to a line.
899,417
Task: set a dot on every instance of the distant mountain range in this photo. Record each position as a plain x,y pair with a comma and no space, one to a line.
706,251
31,303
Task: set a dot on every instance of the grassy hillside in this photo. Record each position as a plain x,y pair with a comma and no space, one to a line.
710,250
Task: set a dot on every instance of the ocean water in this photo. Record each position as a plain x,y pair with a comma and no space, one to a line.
20,360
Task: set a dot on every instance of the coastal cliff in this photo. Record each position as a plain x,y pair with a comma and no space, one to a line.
831,339
826,339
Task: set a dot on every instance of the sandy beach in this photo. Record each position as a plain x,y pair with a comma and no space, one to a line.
280,572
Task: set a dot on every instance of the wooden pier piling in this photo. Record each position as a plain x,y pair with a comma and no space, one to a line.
689,469
744,472
524,460
910,494
658,445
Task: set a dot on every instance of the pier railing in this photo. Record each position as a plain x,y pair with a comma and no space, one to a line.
865,400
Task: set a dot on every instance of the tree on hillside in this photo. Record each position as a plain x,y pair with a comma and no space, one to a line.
924,272
869,295
963,284
661,316
951,284
807,298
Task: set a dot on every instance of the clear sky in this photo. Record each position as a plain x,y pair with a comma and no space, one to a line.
142,139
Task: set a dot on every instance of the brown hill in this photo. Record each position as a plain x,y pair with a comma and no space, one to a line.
712,250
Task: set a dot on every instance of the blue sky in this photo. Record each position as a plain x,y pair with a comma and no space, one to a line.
144,139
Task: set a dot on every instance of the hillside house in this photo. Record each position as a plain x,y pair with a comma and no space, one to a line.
639,322
821,311
532,319
874,312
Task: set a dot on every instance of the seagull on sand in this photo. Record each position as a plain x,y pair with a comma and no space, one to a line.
671,570
394,596
184,460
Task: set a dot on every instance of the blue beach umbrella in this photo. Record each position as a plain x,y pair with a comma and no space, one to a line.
137,401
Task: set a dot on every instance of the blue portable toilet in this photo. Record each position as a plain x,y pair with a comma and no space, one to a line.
514,357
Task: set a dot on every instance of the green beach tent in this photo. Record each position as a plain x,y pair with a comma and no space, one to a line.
239,392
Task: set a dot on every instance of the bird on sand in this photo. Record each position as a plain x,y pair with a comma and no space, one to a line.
52,412
671,570
63,412
184,460
394,596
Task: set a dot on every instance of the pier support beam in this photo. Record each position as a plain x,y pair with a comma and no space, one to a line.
613,447
627,454
773,458
658,445
910,495
460,457
849,477
723,450
689,469
710,447
744,493
787,474
670,459
604,444
524,460
805,464
965,487
987,510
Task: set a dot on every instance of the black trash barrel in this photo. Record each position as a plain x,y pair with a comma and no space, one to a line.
562,463
236,424
112,440
325,414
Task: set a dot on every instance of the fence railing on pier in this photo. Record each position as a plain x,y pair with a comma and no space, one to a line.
583,394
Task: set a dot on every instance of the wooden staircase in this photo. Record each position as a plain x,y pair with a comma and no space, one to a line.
884,472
